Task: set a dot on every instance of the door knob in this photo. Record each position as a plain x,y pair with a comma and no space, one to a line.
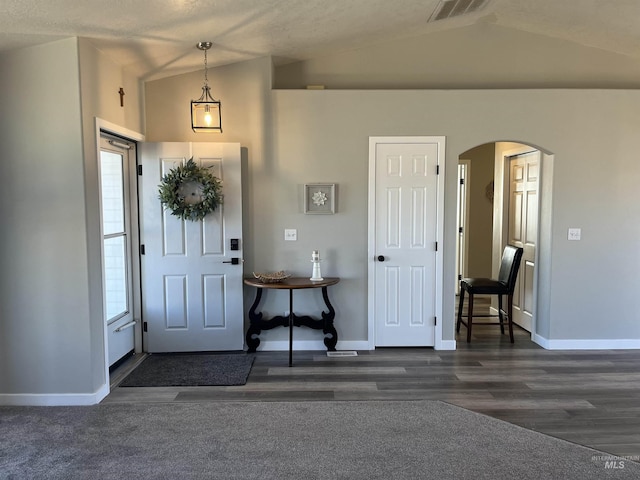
381,258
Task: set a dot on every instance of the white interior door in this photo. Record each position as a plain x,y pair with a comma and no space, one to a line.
116,164
523,230
404,259
191,292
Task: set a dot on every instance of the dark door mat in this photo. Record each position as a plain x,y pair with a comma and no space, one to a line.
181,370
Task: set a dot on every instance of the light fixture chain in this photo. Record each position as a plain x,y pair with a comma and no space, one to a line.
206,77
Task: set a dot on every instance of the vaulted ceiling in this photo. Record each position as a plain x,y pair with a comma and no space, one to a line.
157,38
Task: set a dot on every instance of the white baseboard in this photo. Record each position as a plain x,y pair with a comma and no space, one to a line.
54,399
446,345
280,345
591,344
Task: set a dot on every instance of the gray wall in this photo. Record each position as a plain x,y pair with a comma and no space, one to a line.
322,136
45,342
331,128
482,55
51,321
487,56
480,214
100,80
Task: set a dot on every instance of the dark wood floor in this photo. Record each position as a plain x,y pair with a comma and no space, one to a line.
587,397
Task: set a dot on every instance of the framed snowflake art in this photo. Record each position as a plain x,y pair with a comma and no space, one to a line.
319,198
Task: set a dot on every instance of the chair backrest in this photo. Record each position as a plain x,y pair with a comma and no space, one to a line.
509,266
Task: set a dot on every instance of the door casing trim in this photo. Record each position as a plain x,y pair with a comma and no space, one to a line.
111,128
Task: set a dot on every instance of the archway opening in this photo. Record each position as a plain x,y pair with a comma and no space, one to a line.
503,186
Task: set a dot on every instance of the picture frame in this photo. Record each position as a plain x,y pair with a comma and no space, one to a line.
320,198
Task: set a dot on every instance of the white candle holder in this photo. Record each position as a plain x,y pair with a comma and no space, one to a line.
316,276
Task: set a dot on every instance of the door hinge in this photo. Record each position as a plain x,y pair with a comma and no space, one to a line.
462,181
144,326
142,249
459,277
139,169
460,230
436,246
437,169
435,320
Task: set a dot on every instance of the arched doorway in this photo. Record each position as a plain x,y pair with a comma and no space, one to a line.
500,203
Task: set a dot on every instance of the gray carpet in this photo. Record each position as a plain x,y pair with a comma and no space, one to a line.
292,440
182,370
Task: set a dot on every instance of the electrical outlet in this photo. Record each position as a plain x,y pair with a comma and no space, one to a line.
574,234
290,234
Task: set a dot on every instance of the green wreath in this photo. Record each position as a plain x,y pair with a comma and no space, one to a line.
190,192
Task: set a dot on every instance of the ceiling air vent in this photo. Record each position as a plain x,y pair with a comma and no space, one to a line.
455,8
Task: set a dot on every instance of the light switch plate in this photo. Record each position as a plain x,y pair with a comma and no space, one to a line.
290,234
574,234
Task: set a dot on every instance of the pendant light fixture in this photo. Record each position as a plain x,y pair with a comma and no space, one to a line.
205,111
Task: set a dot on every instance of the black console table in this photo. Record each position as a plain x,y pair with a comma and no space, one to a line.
257,323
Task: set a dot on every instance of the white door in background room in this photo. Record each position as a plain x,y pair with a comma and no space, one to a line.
404,278
191,290
524,172
121,304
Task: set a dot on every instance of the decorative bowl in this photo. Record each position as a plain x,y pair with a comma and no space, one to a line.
274,277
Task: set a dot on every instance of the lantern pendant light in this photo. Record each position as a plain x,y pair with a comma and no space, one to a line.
205,111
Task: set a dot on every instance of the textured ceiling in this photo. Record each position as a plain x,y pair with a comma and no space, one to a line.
157,38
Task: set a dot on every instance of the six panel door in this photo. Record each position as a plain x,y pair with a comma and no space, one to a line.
192,297
405,238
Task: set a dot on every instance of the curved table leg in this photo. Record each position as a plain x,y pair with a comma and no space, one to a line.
253,333
257,323
331,340
290,327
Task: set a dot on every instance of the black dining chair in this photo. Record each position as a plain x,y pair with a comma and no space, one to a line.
504,285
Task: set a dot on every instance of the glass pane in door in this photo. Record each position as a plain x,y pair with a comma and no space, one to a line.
112,177
115,277
115,235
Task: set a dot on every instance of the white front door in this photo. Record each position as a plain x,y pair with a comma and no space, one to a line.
192,293
523,230
403,240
